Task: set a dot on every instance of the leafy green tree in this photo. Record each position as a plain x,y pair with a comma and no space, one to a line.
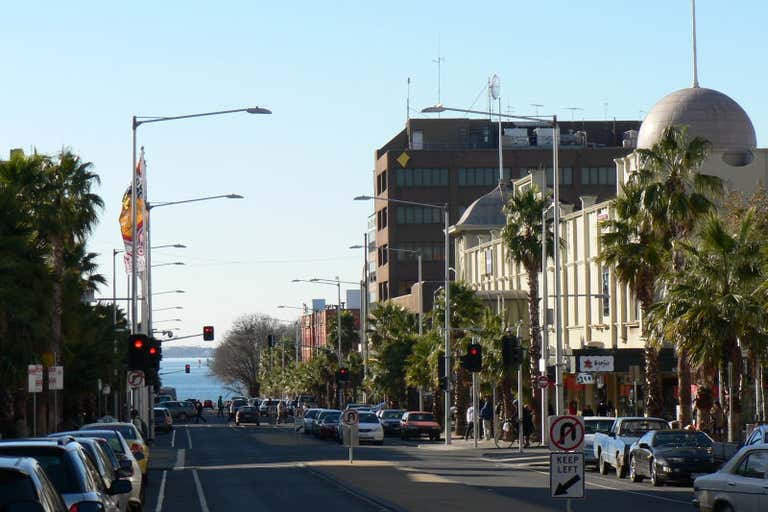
350,335
392,333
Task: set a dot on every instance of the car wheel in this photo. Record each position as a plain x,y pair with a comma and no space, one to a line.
655,480
602,465
723,507
621,468
633,476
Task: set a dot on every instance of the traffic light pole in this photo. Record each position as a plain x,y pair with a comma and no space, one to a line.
520,392
475,414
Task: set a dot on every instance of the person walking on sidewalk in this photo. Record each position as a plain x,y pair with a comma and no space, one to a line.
527,424
199,415
486,414
470,422
220,404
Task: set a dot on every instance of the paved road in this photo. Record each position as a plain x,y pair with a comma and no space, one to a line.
221,467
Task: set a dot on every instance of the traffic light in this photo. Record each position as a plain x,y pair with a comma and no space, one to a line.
473,360
342,375
186,368
511,351
137,351
207,333
441,373
271,340
154,353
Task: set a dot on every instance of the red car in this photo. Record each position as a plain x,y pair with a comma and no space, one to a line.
419,423
208,404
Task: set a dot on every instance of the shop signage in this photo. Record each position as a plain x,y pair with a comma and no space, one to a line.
596,363
585,378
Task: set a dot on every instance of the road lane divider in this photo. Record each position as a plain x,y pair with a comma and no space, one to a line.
180,459
161,493
173,438
189,439
200,495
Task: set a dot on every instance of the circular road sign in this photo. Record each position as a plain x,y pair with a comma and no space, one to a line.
566,433
135,379
542,381
350,417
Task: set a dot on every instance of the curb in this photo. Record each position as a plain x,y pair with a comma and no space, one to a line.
384,506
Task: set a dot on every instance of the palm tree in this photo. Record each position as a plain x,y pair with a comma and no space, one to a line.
392,332
523,238
717,301
674,197
638,258
350,337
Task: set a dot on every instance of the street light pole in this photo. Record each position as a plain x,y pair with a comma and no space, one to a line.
447,328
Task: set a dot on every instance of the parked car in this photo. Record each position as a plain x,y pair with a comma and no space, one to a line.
739,486
758,435
180,410
159,399
268,406
593,425
310,415
71,472
163,419
390,420
103,465
671,456
419,423
23,480
132,436
612,449
128,465
247,414
326,424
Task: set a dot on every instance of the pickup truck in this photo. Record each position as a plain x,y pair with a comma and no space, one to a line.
612,449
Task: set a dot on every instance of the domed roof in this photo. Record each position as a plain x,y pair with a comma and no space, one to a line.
709,114
485,212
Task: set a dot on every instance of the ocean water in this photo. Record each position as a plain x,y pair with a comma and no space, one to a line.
198,383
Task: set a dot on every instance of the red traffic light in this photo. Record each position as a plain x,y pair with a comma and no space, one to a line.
138,343
473,351
207,333
186,368
152,351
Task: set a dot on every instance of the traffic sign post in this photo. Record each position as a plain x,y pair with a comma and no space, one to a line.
135,379
542,381
566,475
565,437
350,419
34,386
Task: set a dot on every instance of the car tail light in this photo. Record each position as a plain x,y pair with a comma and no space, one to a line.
86,506
135,447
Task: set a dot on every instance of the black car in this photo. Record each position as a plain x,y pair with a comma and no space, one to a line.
23,481
390,420
247,414
671,455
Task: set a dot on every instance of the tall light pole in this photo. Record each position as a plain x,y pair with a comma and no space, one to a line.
364,309
137,121
548,121
303,308
447,328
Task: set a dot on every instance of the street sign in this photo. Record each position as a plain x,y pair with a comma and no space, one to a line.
135,379
55,377
566,475
35,378
566,433
542,381
585,378
350,417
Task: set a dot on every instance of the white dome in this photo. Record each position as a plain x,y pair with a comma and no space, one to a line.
709,114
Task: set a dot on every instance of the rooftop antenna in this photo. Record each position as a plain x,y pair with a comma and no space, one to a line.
573,111
408,101
605,110
494,92
536,107
695,64
439,62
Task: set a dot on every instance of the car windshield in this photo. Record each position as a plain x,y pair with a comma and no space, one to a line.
368,417
392,415
682,439
311,414
595,426
331,417
637,428
15,486
53,461
159,414
421,417
247,409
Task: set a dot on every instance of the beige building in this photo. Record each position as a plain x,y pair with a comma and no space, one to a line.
601,319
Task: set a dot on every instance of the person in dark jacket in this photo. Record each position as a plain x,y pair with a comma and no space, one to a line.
199,415
486,414
527,424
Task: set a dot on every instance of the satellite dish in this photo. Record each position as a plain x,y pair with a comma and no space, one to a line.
495,86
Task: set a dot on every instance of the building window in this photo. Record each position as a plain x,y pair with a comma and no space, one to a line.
566,174
480,176
598,176
606,278
382,218
383,290
422,177
489,261
381,183
418,215
383,254
430,251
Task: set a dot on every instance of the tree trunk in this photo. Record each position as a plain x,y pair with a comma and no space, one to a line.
705,400
536,350
684,388
462,399
653,395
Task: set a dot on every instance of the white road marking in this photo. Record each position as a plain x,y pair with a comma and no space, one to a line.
161,494
173,438
180,456
189,439
200,495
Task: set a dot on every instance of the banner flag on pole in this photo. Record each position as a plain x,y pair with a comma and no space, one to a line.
126,221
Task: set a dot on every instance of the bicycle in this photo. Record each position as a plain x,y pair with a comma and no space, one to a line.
506,433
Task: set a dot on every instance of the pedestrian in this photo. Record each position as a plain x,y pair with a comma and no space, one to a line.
280,411
139,423
602,409
527,424
486,414
588,411
573,408
199,415
220,405
718,420
470,422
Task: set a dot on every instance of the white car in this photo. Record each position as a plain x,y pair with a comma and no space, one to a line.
369,429
741,485
310,415
593,424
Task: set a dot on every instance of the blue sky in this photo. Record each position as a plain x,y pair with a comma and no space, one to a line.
334,73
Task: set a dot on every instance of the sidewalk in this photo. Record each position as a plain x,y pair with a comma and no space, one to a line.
459,443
